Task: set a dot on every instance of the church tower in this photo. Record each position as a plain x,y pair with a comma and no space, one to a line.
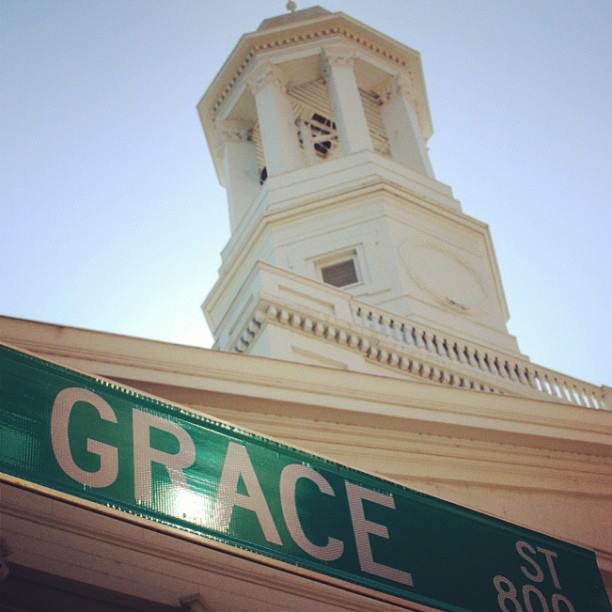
137,474
345,250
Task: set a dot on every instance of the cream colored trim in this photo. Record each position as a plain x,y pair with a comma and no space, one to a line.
398,343
353,397
334,25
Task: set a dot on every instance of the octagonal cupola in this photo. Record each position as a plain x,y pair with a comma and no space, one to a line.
308,87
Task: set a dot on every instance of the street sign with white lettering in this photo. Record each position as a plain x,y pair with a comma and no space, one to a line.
111,445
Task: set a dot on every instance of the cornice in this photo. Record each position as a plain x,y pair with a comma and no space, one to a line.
410,457
373,347
420,352
311,33
393,441
351,396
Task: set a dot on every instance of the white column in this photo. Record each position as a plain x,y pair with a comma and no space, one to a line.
347,107
403,130
276,121
240,170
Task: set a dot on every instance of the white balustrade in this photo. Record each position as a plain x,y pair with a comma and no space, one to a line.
460,354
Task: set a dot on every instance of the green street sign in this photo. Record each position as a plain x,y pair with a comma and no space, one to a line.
108,444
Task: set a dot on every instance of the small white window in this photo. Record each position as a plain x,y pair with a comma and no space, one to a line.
341,268
340,274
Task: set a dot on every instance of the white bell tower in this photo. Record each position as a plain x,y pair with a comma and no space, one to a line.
345,249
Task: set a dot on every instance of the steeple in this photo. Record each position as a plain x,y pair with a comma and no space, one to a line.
346,251
307,87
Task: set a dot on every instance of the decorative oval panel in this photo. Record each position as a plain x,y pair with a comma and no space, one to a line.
444,276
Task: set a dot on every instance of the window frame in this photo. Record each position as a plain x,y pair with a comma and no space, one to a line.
338,257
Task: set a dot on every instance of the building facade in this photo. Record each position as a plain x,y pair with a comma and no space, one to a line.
359,315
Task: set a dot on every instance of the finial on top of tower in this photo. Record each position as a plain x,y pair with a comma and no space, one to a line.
291,6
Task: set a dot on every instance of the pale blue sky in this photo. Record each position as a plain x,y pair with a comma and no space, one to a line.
111,217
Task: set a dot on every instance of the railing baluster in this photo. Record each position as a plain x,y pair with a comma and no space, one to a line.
513,371
585,395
